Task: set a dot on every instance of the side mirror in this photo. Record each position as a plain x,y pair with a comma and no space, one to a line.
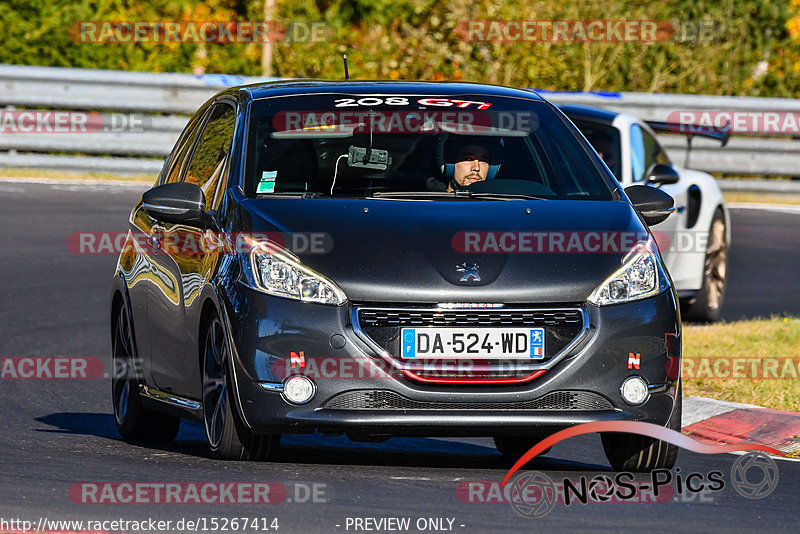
662,174
654,204
178,202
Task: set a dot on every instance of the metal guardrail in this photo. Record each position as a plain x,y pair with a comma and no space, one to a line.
761,186
110,90
741,156
168,98
656,106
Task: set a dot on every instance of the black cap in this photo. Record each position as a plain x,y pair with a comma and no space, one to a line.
456,144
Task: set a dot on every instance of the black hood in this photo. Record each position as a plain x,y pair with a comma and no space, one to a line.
398,251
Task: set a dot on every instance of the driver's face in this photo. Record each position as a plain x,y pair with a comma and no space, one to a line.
472,165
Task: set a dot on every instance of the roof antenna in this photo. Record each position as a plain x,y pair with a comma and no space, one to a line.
346,72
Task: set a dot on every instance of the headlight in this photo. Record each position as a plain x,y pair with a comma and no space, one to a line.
638,278
279,273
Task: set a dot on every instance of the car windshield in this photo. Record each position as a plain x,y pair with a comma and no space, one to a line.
418,146
605,140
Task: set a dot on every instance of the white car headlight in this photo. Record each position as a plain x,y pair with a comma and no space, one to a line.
638,277
277,272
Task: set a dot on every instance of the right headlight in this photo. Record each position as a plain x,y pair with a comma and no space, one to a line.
638,278
278,272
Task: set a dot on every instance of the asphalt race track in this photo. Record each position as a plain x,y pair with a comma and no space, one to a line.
764,278
57,433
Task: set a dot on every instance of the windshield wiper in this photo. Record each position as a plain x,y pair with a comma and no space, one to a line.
301,194
454,194
505,196
421,194
410,194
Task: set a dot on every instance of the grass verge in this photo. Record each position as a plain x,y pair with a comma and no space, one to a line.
761,198
13,172
754,362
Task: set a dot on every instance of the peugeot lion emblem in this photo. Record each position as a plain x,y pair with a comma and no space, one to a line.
470,271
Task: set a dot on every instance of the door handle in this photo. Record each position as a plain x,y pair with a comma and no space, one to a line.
156,238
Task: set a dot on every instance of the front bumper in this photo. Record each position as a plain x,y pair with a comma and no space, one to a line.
356,392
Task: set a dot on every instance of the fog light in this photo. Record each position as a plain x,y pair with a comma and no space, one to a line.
634,390
298,389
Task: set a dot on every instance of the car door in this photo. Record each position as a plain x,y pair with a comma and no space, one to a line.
183,266
151,232
645,153
134,265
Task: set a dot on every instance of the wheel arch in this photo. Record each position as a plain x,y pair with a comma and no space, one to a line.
208,310
119,296
726,216
213,303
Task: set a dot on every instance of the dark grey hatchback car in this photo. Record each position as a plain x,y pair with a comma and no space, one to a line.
392,259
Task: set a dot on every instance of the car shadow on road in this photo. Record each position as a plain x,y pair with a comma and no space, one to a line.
102,425
410,452
324,450
91,424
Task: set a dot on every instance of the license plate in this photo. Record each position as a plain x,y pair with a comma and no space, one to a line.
489,343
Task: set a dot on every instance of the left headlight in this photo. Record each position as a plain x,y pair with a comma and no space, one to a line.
278,273
638,278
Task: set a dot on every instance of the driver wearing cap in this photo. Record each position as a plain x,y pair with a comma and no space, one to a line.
466,160
471,164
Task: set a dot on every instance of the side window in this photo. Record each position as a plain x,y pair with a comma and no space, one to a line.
652,148
210,155
638,154
645,152
606,141
183,147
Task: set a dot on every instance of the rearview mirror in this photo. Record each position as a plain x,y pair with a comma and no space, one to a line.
662,174
654,204
178,202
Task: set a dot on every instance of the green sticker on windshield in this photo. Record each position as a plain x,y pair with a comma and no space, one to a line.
266,187
267,183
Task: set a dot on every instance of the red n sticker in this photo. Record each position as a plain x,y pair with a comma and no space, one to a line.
299,360
633,361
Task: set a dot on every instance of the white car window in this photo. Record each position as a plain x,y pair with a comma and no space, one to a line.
638,154
645,152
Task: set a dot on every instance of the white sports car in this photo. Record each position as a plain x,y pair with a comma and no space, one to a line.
695,240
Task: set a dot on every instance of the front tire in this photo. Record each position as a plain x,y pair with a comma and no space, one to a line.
226,435
134,421
640,454
707,304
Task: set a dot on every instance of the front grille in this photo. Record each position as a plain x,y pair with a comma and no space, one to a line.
435,317
389,400
382,327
